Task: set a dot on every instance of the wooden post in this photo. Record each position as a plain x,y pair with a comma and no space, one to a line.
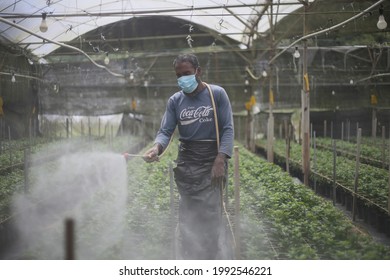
270,137
9,147
325,128
334,172
99,125
172,208
388,198
288,138
112,135
355,188
383,146
315,161
237,232
331,129
374,123
342,130
69,239
82,127
306,158
67,128
89,129
26,169
280,131
305,103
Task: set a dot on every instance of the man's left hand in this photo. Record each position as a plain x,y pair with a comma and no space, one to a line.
218,170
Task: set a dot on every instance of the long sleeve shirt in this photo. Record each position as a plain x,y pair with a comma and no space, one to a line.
194,117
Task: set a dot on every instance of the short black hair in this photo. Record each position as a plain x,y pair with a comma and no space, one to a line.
189,57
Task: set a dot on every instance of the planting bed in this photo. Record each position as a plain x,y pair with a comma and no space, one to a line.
372,191
279,218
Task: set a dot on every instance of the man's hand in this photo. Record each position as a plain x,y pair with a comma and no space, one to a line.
218,169
152,154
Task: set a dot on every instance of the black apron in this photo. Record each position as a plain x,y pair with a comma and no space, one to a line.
200,206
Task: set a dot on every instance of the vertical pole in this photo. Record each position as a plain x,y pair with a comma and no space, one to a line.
270,136
69,239
82,127
383,146
325,128
388,198
99,124
270,133
355,188
288,148
172,206
334,172
280,131
306,105
112,136
237,232
315,160
26,168
342,130
89,129
9,146
373,123
67,128
331,130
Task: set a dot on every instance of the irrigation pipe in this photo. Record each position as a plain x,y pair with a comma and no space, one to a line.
61,45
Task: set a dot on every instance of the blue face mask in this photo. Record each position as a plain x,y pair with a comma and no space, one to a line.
187,83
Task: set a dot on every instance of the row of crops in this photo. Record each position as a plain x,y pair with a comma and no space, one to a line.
279,218
373,182
16,156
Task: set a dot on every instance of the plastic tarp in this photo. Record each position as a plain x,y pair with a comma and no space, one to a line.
70,19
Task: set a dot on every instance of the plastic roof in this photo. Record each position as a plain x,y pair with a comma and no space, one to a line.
69,19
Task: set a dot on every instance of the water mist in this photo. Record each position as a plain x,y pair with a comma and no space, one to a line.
88,187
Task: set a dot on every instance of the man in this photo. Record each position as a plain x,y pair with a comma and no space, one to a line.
201,169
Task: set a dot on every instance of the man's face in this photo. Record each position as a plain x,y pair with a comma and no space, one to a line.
184,69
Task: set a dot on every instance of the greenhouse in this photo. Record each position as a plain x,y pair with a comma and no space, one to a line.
91,152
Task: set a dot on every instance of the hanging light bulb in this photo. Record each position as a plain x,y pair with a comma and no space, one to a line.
296,53
131,77
382,24
43,27
351,81
106,59
246,82
13,79
264,73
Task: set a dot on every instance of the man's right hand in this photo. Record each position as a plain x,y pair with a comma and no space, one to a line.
152,154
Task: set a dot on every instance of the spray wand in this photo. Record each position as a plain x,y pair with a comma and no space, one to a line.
128,156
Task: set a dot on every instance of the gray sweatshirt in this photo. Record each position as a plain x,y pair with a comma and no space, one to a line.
194,117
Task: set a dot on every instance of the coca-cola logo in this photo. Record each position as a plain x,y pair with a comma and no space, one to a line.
190,115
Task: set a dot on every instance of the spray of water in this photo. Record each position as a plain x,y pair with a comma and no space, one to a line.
88,187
